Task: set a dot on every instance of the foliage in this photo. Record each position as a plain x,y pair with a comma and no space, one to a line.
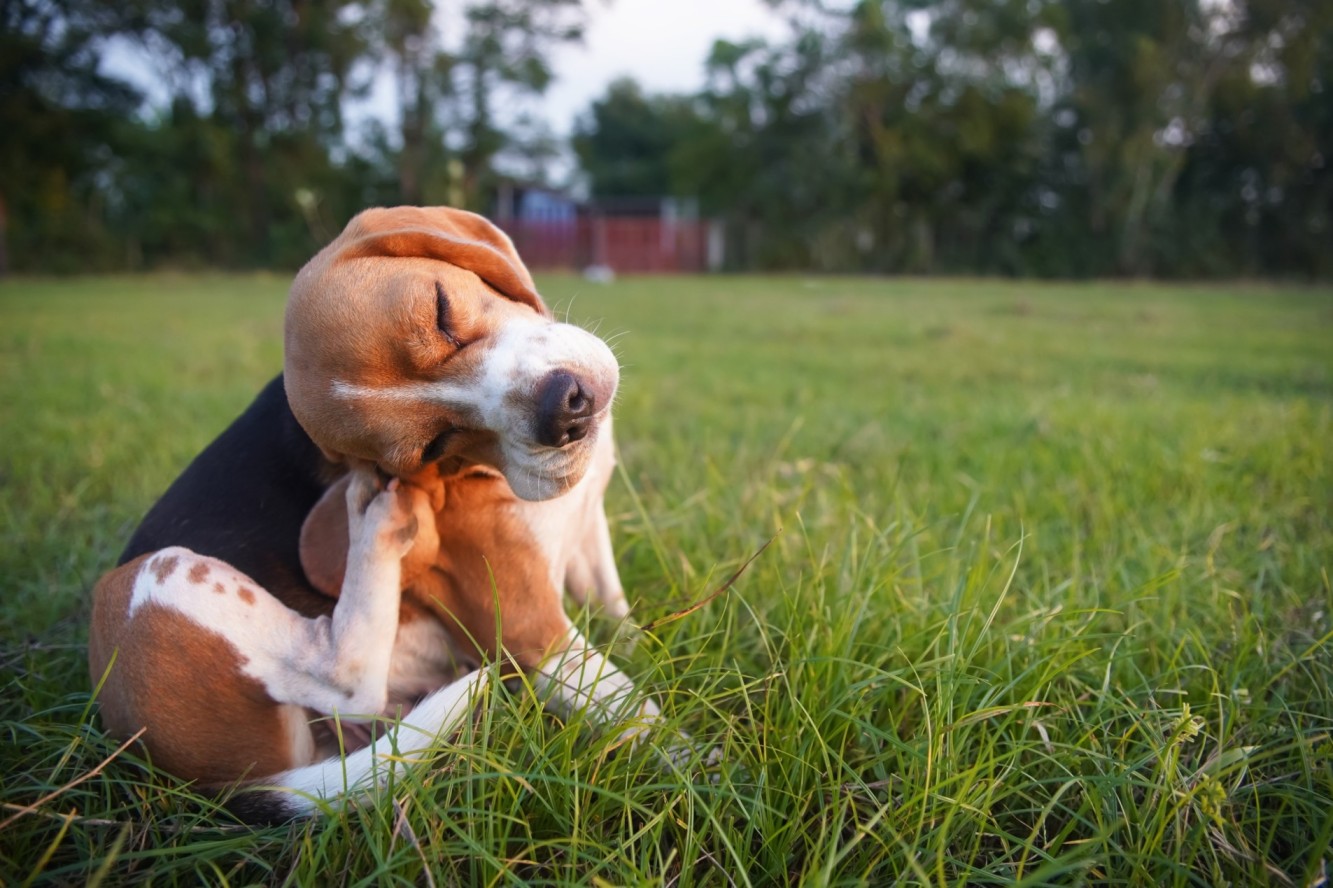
57,120
1020,137
250,161
627,143
1048,602
1068,138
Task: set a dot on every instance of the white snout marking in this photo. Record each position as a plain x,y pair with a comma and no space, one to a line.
515,362
517,359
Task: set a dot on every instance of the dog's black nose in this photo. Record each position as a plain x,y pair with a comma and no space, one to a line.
564,409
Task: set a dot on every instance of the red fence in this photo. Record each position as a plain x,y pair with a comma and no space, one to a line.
625,244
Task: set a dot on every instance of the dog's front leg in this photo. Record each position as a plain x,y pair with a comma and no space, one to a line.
580,679
591,573
341,664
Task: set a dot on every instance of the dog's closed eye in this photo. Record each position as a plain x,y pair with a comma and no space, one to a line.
442,319
435,449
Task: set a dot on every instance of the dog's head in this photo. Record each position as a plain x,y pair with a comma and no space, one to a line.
416,340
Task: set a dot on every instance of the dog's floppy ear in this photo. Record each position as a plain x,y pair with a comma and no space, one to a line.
324,540
454,236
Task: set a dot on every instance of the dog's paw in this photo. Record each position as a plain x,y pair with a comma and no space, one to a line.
424,551
685,754
382,517
675,750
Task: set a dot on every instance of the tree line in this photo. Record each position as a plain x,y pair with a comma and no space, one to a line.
1014,137
246,159
1187,138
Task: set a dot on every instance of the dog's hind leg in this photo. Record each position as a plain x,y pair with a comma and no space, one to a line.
222,676
301,791
341,664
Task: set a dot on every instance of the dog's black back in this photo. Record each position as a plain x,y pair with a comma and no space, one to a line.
244,498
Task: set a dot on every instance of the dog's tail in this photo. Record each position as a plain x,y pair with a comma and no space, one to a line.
303,791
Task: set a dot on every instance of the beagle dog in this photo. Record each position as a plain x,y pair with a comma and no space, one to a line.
436,449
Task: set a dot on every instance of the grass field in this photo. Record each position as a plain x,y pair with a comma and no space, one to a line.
1049,599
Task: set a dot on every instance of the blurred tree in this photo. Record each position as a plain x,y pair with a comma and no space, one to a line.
769,158
505,51
446,97
422,73
59,124
1140,78
940,99
269,79
1068,137
1256,191
628,141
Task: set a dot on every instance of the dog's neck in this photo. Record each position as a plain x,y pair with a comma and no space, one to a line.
480,565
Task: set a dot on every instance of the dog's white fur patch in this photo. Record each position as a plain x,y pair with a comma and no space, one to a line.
501,396
333,665
389,753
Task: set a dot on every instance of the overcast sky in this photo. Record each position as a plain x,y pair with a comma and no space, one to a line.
661,43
